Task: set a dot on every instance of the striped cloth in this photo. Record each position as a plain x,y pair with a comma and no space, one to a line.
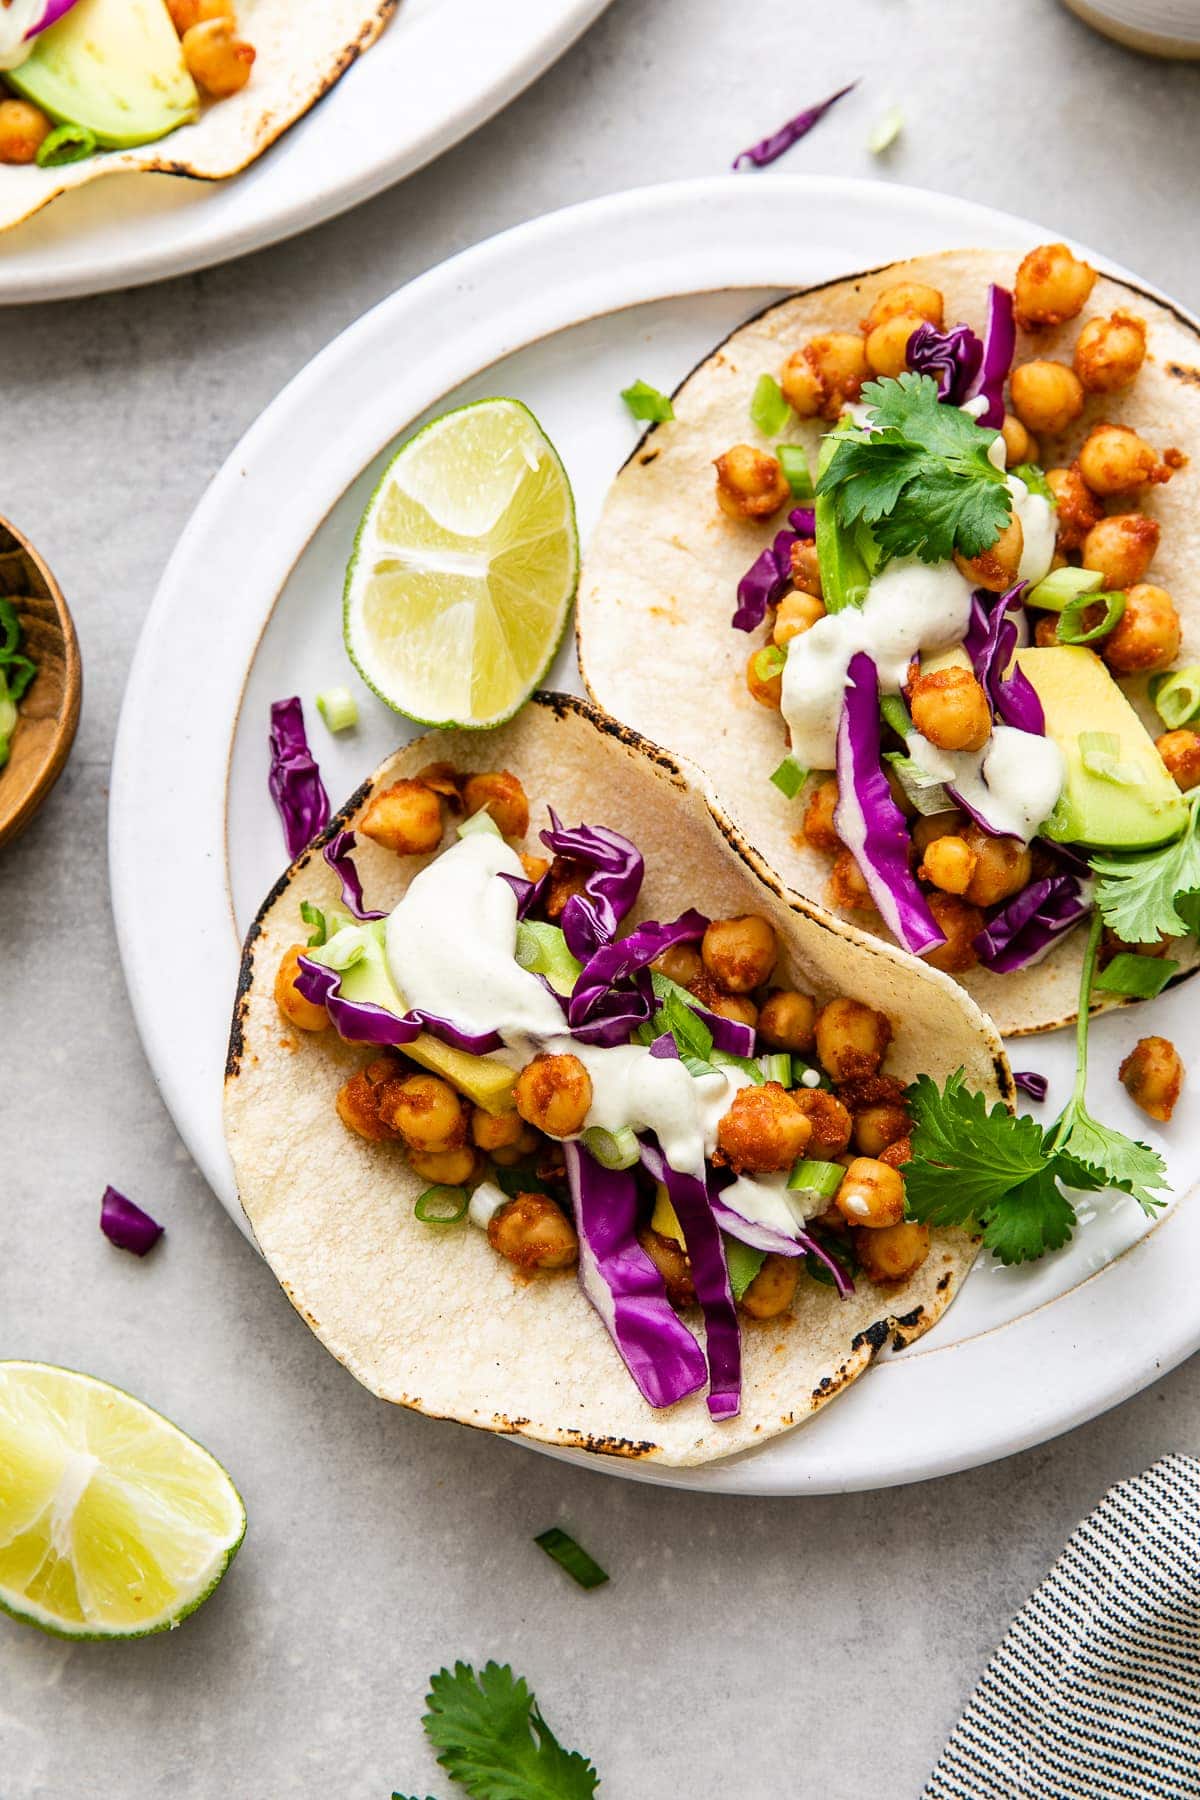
1095,1692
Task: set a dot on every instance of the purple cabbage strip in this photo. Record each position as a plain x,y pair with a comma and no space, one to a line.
765,1237
868,820
362,1022
1031,924
1031,1083
52,12
771,148
611,886
295,780
769,576
710,1278
665,1048
992,638
615,1014
126,1225
529,893
951,357
624,1286
338,854
999,343
616,962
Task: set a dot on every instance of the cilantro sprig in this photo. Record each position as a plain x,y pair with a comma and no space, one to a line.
489,1735
920,477
1155,893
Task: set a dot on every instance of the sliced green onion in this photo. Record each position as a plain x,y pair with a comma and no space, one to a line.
812,1177
749,1065
65,144
768,408
485,1203
542,949
807,1075
696,1065
678,1015
569,1556
480,821
314,917
1177,696
1099,751
1141,977
442,1206
1062,586
923,790
793,460
1035,481
885,131
789,777
338,707
777,1066
896,714
1070,625
769,662
646,402
743,1264
612,1149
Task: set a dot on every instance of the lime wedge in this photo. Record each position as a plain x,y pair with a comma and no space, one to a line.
112,1522
464,568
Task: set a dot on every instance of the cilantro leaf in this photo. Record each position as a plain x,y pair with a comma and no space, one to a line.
1090,1155
1036,1216
988,1153
490,1736
1147,896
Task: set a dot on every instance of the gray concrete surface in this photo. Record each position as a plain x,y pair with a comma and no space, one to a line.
750,1649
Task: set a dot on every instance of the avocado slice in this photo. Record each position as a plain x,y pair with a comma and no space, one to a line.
114,66
484,1080
847,559
1079,695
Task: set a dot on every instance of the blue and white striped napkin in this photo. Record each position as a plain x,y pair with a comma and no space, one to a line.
1095,1692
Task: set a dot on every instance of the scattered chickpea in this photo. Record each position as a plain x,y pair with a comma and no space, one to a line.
1152,1075
887,344
830,1120
1180,750
1046,396
766,689
504,798
949,863
960,924
566,880
734,1006
996,567
773,1288
740,953
1077,508
534,1233
848,887
786,1021
764,1130
796,614
496,1131
852,1039
1109,352
801,385
836,365
186,13
1115,460
554,1094
1121,548
1147,635
358,1100
23,130
671,1261
1111,945
534,867
912,297
217,59
893,1253
1019,445
406,818
950,708
508,1155
1051,286
871,1194
931,826
1003,866
805,568
304,1014
426,1111
818,829
897,1154
877,1127
446,1168
750,483
681,963
1045,632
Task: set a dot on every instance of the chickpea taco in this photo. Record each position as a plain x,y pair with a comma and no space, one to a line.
908,569
555,1114
93,87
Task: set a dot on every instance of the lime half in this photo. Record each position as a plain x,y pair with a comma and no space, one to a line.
464,568
112,1522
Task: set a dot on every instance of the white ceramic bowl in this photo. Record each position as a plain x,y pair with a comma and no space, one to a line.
1159,27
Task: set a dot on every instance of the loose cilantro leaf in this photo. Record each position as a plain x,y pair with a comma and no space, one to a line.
490,1735
1036,1216
987,1153
1090,1155
920,477
1155,893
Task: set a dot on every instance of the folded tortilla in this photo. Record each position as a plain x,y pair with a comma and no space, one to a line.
303,50
660,576
435,1319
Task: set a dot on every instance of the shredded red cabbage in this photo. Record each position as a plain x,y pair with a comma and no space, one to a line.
765,1237
338,854
126,1225
769,576
999,343
295,780
1031,1083
951,357
1025,930
611,886
869,822
530,894
624,1286
998,628
710,1278
773,147
362,1022
614,963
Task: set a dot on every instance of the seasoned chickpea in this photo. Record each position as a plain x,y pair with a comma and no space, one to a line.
1180,750
801,385
996,568
764,677
893,1253
786,1020
914,297
848,887
504,798
740,953
1003,866
931,826
1045,632
949,863
887,344
304,1014
1051,286
534,866
1019,446
1152,1075
681,963
960,924
805,567
1076,507
186,13
1115,460
796,614
217,58
830,1120
950,708
1109,352
773,1288
406,818
1147,635
358,1100
852,1039
750,483
671,1261
871,1194
763,1131
496,1131
426,1111
1046,396
534,1233
23,130
1121,548
840,361
567,879
447,1168
508,1155
554,1094
818,829
879,1126
897,1154
733,1006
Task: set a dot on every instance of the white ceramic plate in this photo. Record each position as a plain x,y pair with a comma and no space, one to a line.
563,313
440,69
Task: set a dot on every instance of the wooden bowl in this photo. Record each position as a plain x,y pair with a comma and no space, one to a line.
49,710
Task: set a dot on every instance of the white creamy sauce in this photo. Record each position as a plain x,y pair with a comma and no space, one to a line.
1014,781
767,1200
1037,528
